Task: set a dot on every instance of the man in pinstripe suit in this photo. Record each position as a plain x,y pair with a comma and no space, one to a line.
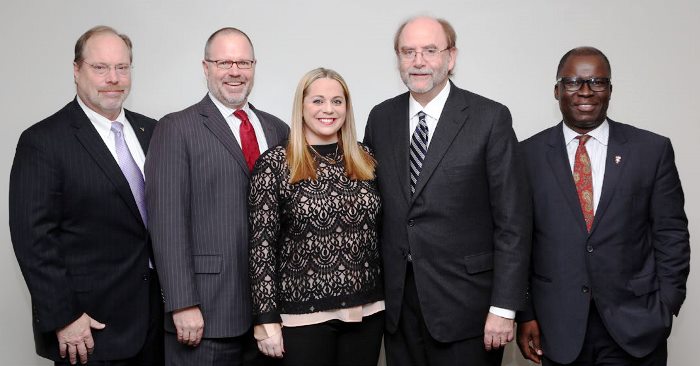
197,175
78,219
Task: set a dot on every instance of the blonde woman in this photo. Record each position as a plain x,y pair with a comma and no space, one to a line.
314,257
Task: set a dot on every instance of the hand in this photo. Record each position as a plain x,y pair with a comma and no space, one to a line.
529,341
272,346
75,339
498,331
189,324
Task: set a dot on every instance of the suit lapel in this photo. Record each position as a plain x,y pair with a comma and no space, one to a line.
400,140
143,131
92,142
614,165
453,117
561,168
216,123
270,132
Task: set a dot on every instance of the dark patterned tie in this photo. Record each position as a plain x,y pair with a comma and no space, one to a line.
584,180
419,147
249,143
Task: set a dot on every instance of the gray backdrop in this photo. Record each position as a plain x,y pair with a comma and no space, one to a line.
508,51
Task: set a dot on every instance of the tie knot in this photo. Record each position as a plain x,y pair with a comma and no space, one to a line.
421,115
583,139
117,127
241,114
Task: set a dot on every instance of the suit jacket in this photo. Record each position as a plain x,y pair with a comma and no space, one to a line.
197,193
467,225
79,238
635,261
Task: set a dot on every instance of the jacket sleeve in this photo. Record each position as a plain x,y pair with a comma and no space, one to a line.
35,224
511,214
669,227
167,173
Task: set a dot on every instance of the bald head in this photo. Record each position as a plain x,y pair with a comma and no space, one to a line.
448,31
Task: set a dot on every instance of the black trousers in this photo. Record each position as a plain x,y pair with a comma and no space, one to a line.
600,349
412,344
152,353
334,343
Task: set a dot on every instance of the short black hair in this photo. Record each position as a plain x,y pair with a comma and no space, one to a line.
583,51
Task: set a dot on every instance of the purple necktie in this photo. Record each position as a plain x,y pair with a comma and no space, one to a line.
131,171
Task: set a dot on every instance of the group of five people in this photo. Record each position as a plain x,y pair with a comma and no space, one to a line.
223,226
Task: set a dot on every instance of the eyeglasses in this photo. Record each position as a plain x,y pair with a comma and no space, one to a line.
428,54
595,84
227,64
103,69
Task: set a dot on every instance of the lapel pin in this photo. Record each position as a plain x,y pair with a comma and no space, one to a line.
142,130
618,159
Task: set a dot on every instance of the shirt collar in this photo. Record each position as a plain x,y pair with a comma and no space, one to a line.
600,133
226,111
434,107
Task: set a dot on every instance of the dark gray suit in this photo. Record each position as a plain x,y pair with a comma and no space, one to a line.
634,263
196,187
467,225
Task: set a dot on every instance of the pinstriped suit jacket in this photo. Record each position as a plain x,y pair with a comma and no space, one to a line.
79,238
196,188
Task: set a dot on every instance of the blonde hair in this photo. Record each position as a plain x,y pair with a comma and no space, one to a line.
359,165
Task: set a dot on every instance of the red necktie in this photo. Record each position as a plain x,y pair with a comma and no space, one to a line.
584,180
249,144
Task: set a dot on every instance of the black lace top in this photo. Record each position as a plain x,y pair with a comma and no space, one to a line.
313,244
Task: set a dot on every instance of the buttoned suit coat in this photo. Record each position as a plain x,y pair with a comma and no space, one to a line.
467,225
635,261
78,235
196,186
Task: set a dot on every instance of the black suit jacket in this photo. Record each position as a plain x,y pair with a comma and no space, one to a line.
635,261
77,233
468,223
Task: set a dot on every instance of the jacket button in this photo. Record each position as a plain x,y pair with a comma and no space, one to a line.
589,248
585,289
145,277
411,222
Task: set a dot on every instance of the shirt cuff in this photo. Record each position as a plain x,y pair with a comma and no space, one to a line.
503,313
265,331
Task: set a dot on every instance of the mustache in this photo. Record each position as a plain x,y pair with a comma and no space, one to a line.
420,71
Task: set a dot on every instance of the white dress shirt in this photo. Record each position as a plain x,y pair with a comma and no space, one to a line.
104,128
597,148
432,111
235,124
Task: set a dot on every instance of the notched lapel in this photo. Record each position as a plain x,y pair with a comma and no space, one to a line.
615,162
271,135
143,132
453,118
216,123
92,142
561,168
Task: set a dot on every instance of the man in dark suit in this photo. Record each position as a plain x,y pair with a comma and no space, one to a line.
78,219
455,231
611,253
198,172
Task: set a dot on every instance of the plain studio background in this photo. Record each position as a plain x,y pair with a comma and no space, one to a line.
508,51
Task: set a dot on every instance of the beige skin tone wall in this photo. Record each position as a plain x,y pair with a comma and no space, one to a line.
508,51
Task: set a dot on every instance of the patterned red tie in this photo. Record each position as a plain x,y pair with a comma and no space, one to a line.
249,143
584,180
